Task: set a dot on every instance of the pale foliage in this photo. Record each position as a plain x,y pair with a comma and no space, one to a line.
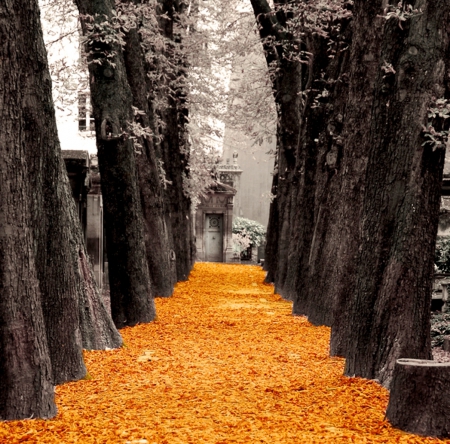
218,54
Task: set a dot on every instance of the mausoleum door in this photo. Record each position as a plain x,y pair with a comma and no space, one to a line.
214,238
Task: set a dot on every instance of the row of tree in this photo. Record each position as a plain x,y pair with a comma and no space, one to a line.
50,307
362,93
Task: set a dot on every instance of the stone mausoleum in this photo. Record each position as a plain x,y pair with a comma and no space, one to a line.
214,216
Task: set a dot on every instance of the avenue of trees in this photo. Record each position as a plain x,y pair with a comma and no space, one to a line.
361,93
362,98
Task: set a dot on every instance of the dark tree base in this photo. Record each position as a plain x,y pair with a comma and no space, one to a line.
420,397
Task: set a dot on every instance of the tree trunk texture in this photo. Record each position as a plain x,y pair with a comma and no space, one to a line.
162,268
318,158
270,249
389,313
288,98
50,209
338,257
174,146
26,385
177,204
312,298
98,330
74,313
419,400
286,84
130,289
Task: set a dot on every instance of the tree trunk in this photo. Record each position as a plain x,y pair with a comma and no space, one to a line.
336,259
26,385
130,288
419,400
389,313
97,327
286,85
174,147
161,266
317,161
52,210
73,311
288,99
270,251
313,296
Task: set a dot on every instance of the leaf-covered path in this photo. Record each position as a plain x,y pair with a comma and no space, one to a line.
225,362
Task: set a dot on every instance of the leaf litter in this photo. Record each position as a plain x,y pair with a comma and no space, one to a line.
226,362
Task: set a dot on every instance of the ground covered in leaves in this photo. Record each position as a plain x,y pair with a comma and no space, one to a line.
225,362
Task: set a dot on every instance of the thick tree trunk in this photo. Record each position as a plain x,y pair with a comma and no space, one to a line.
74,313
175,159
130,288
161,266
313,296
337,235
26,385
390,310
316,164
419,400
52,210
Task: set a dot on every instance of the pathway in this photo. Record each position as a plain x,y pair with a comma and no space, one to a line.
225,362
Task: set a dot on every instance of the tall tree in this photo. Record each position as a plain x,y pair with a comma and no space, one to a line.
131,294
343,241
72,304
174,145
336,242
162,267
50,306
390,308
74,314
26,385
305,50
287,78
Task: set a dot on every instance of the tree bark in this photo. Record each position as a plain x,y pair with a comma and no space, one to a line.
389,312
174,146
74,312
286,85
317,164
340,250
270,251
161,266
50,211
313,291
419,400
26,382
130,288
